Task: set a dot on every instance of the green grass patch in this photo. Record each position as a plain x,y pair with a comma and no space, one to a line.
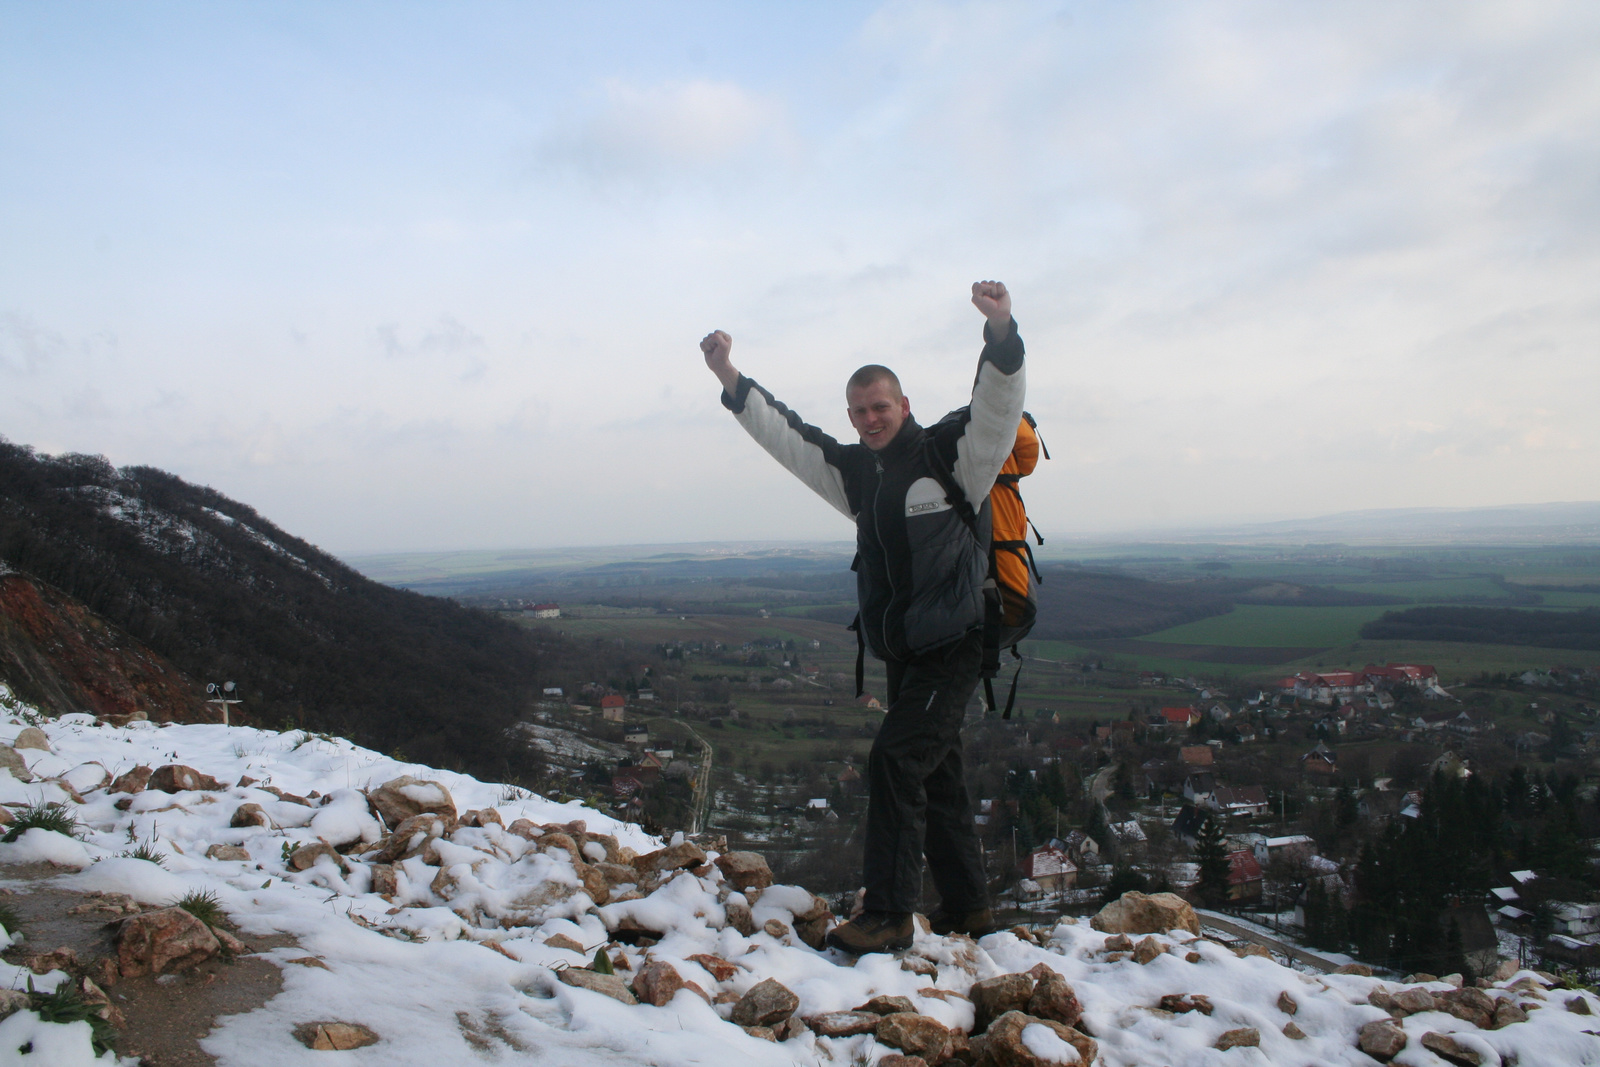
204,905
41,816
66,1005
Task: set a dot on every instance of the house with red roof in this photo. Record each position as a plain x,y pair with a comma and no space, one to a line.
1244,876
1181,718
611,707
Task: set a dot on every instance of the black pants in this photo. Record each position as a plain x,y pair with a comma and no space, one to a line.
918,803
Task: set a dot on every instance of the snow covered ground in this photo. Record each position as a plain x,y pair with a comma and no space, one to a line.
419,969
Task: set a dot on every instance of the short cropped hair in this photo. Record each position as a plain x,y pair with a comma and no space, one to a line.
870,375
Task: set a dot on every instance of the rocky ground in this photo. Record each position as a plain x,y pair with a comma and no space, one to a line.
410,915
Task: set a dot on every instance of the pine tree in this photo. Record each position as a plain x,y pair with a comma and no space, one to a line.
1211,854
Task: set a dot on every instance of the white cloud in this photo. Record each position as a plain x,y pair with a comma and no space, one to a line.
692,126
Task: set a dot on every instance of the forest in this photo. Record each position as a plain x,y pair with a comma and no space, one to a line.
224,594
1490,626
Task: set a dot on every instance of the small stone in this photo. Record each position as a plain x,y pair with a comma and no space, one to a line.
657,983
1360,969
1470,1004
716,966
400,798
1451,979
385,882
1383,1000
177,778
15,764
608,984
1579,1005
1424,976
1243,1037
920,966
1119,943
896,1059
334,1036
1506,1012
32,737
745,870
1022,933
228,853
1117,957
134,781
1287,1004
775,928
843,1023
887,1005
767,1002
169,939
1411,1001
250,814
765,1033
1253,949
562,941
1192,957
1381,1039
1293,1032
672,858
104,971
13,1001
1506,971
1450,1050
1137,913
306,856
1003,1044
309,961
913,1034
1053,998
1146,950
994,997
739,917
60,959
230,944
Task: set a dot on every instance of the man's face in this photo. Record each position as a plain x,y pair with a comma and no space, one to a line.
877,412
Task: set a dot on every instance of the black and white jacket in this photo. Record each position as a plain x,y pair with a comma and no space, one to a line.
919,570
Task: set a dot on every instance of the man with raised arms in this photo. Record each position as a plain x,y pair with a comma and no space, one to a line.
920,574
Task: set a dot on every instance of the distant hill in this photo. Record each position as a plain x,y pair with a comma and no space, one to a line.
211,586
1564,523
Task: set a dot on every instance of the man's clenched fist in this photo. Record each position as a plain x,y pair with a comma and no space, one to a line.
717,346
994,301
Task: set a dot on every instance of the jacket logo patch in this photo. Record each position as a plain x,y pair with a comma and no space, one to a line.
924,497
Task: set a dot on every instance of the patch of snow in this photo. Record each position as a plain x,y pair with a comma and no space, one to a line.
37,845
56,1044
424,978
1043,1043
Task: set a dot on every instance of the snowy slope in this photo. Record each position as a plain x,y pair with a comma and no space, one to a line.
416,968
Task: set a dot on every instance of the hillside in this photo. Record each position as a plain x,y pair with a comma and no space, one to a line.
208,585
469,932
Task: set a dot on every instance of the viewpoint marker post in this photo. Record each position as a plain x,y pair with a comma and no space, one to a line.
224,697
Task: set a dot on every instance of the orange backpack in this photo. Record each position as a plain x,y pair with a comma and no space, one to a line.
1011,594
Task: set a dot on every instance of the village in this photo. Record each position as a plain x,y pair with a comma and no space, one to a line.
1259,805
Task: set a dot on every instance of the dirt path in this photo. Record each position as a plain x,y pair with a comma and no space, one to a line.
165,1017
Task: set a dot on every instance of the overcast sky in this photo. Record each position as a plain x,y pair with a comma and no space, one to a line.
432,276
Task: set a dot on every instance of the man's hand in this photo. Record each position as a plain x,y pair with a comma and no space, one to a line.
717,345
992,299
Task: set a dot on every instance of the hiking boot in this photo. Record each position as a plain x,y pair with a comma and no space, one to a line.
972,923
874,931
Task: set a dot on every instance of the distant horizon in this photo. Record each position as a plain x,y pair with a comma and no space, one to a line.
1123,537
